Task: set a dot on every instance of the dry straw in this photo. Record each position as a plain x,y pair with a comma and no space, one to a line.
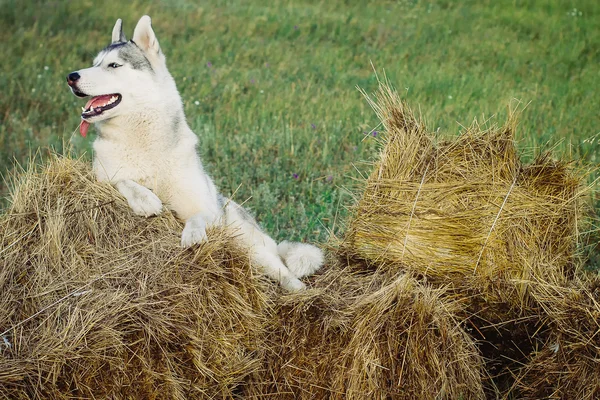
98,303
357,336
567,364
465,209
501,235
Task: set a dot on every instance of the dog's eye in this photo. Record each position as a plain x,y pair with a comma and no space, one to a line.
113,65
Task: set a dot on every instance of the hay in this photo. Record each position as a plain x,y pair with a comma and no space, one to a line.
501,236
467,210
567,365
366,337
98,303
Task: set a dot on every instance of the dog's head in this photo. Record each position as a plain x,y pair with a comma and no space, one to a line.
122,74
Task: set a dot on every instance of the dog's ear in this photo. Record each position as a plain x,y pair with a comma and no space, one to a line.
144,36
117,34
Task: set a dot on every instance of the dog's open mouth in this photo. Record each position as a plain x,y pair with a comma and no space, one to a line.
97,105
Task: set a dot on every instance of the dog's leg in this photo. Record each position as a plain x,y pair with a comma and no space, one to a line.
142,200
201,212
275,269
195,229
194,199
263,249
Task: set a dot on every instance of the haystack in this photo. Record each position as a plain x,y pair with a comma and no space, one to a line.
500,236
467,210
98,303
363,336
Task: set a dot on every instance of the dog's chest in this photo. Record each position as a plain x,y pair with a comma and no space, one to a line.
116,161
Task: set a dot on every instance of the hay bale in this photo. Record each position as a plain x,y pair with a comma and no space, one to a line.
98,303
466,209
358,336
468,215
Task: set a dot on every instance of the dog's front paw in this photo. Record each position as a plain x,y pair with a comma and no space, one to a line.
194,232
144,202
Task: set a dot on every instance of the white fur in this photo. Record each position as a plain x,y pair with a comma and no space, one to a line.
302,259
152,160
117,33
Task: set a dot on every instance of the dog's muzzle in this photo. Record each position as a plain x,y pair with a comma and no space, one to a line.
72,79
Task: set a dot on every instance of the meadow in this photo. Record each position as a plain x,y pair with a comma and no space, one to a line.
270,87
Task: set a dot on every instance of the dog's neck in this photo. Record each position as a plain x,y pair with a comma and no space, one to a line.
149,127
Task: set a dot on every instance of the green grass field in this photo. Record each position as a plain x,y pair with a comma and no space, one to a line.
270,86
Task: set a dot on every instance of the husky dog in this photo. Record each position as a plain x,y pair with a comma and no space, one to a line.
147,151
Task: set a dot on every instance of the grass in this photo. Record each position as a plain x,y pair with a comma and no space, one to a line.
270,86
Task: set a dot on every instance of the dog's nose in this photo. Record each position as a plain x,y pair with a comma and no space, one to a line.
72,78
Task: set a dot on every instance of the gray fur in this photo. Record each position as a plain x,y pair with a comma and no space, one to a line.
221,200
175,126
106,50
133,55
225,202
246,216
113,46
129,53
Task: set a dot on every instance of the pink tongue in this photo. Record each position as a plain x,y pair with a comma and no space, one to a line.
94,101
83,128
